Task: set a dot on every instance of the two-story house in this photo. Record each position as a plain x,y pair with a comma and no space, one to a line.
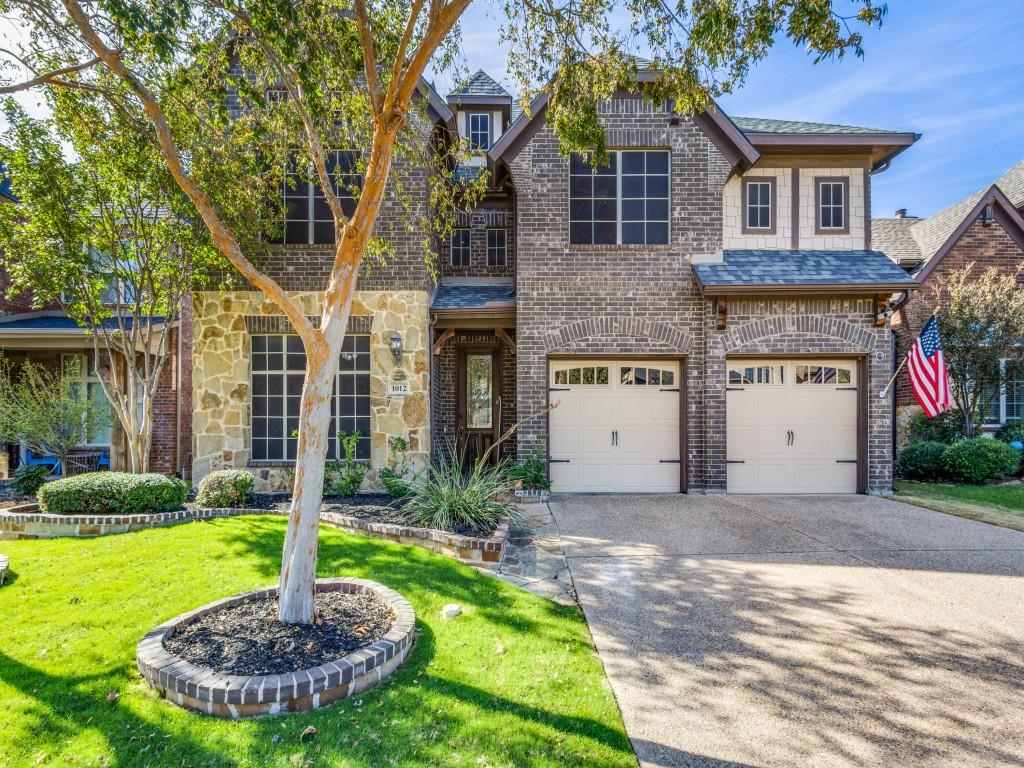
707,310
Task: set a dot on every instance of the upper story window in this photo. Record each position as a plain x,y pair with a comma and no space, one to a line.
307,216
833,205
459,248
625,202
480,130
497,247
758,205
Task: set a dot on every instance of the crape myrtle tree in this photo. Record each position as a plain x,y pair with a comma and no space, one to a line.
981,322
107,235
353,69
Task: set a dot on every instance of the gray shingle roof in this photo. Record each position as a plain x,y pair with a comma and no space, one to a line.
476,296
480,84
921,239
798,127
795,268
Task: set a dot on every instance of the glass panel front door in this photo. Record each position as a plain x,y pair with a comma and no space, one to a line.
479,410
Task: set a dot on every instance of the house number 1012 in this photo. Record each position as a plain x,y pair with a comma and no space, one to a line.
398,388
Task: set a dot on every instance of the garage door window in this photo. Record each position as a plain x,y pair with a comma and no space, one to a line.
588,375
644,376
822,374
757,374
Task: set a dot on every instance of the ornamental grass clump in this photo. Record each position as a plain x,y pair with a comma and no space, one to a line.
113,493
449,499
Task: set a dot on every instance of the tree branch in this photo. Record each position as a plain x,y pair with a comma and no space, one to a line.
369,57
49,77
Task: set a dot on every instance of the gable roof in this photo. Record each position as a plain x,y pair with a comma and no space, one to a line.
479,84
926,240
802,128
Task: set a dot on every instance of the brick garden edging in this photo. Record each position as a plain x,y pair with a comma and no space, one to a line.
234,696
27,522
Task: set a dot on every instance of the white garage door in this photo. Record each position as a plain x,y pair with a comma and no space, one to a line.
617,426
792,426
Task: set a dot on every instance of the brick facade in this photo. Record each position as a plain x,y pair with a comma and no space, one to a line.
982,246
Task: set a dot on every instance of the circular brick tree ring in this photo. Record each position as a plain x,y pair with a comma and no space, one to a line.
233,696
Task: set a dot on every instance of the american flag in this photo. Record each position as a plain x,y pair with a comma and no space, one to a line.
927,367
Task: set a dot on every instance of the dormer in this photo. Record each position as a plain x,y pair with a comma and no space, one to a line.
483,112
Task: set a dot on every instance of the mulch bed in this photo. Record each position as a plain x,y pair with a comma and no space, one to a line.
10,497
248,639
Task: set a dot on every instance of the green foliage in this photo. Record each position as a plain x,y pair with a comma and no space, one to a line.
533,472
448,499
345,478
226,488
46,410
29,478
981,319
1011,431
113,493
922,461
980,460
397,476
947,427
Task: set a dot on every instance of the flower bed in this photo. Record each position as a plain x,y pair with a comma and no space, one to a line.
233,696
27,522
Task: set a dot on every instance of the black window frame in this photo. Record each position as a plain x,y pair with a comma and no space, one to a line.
497,252
275,394
628,201
301,193
460,242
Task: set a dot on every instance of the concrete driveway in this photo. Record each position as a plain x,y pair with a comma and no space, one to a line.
803,631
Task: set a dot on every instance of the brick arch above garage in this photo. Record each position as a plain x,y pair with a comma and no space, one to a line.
795,334
612,334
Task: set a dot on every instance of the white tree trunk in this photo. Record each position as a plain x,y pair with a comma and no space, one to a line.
298,562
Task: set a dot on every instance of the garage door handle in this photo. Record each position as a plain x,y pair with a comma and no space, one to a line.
559,389
735,389
668,461
846,389
558,461
668,389
846,461
735,461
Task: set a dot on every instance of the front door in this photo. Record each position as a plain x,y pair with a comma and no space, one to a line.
479,398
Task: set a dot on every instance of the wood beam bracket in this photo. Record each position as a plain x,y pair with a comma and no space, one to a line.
722,308
445,337
881,305
502,334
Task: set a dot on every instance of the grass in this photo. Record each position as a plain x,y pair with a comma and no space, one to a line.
514,681
997,504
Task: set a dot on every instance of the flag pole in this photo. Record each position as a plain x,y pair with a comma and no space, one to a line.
885,389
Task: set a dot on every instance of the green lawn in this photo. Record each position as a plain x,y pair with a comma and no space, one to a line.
998,504
514,681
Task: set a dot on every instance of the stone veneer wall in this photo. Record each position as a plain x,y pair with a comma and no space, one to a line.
221,372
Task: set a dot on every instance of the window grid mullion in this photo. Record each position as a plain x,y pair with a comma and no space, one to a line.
618,198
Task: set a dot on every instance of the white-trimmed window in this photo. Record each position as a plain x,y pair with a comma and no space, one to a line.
832,205
278,372
756,374
458,247
497,247
1005,403
589,375
759,203
823,374
307,216
625,202
643,376
480,130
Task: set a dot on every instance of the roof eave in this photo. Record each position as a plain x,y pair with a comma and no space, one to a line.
883,147
720,289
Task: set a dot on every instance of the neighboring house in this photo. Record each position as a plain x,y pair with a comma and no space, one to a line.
47,336
985,229
708,310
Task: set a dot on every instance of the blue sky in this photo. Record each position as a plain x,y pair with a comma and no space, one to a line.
948,69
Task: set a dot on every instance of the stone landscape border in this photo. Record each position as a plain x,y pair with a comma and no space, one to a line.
235,696
27,522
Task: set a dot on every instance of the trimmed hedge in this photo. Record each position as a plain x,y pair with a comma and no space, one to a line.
226,488
922,461
113,493
980,460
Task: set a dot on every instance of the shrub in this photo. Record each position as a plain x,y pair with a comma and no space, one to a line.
226,488
922,461
448,499
947,427
29,478
979,460
396,477
113,493
345,477
533,472
1011,431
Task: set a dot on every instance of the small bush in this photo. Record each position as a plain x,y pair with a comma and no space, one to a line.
980,460
533,472
398,475
226,488
345,478
922,461
947,427
113,493
29,478
448,499
1011,431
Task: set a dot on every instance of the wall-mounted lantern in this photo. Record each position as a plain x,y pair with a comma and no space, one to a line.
395,345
